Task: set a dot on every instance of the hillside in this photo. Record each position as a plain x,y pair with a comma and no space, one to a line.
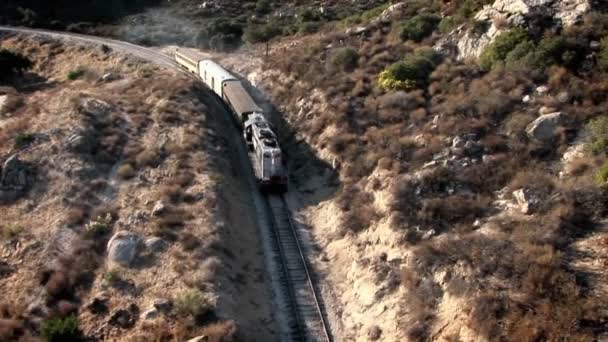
448,162
117,190
470,143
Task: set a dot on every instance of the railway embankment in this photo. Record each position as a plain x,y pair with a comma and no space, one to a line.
119,190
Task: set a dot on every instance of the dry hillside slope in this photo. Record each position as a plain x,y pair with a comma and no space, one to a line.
118,194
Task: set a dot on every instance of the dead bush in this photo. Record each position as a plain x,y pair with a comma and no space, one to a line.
148,157
453,209
223,331
126,171
189,242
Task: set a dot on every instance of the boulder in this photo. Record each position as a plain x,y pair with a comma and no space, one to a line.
162,304
123,248
155,244
110,77
544,128
81,143
527,201
150,314
158,209
15,174
202,338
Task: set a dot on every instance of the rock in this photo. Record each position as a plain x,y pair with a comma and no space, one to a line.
563,97
162,304
109,77
155,244
123,247
542,89
528,203
159,208
546,110
125,318
150,314
202,338
526,99
374,333
81,143
357,30
594,45
391,11
473,149
458,142
544,127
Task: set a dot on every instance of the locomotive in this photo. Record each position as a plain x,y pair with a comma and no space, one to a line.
268,160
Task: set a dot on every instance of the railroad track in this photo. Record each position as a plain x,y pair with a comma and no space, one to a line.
308,323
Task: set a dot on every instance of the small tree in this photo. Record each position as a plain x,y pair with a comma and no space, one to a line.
12,63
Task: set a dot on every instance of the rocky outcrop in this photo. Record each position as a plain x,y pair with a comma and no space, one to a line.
123,248
468,43
527,201
544,128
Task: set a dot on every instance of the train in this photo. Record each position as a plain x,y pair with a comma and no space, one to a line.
268,160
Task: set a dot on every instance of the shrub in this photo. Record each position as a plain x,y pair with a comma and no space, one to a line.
598,131
10,231
12,63
221,35
99,226
601,177
23,139
112,277
603,55
411,73
75,74
502,46
62,330
419,27
260,34
263,7
345,59
310,15
194,303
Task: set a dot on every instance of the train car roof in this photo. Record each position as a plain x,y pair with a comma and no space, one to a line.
216,70
193,55
239,98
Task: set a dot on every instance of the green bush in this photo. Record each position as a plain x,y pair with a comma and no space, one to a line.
601,177
310,15
345,59
194,303
419,27
23,139
598,133
308,27
263,7
260,34
603,55
413,72
62,330
502,46
75,74
12,63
